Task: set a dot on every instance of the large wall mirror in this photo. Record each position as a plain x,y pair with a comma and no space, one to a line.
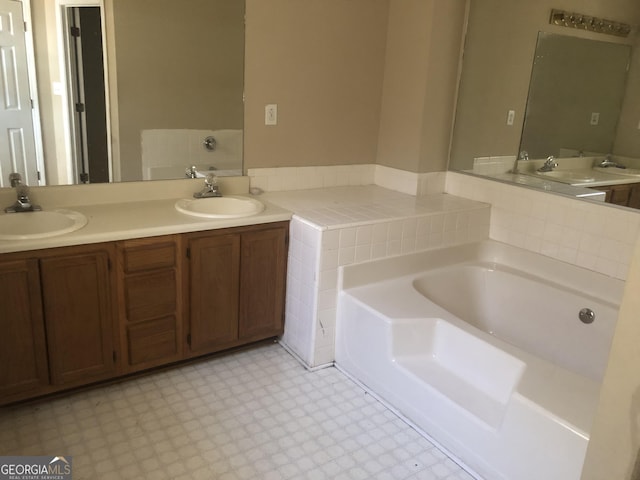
126,90
528,85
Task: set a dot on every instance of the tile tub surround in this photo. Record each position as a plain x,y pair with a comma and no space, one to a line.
333,227
252,414
590,235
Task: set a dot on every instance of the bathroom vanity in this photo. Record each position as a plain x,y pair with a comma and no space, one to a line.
79,313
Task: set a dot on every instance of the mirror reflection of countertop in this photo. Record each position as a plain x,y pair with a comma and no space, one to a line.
592,177
541,183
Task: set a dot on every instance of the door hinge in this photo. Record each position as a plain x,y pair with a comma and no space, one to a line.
188,252
39,175
189,339
26,27
75,31
114,356
79,107
109,264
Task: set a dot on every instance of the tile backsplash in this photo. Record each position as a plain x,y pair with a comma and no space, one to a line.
592,235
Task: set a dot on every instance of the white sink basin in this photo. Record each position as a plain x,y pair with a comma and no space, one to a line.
567,176
220,207
48,223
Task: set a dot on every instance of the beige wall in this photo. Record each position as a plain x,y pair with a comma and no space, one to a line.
355,81
614,448
179,66
420,80
321,62
499,52
627,141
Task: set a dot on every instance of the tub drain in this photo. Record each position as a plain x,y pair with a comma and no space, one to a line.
587,315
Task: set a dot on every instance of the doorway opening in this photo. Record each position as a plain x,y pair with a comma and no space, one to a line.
86,87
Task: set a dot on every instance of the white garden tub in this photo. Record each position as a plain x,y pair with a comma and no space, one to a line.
481,346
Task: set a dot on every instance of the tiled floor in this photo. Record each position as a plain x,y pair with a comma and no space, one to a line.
254,414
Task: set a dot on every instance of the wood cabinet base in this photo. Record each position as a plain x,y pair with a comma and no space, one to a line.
74,316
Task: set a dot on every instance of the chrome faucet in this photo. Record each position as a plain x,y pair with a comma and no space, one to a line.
22,204
548,165
607,162
210,188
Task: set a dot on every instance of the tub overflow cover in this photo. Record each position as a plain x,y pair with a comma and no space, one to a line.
587,315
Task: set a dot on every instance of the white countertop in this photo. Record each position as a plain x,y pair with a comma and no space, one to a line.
337,207
137,219
325,208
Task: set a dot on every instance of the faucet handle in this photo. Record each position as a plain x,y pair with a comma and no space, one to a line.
15,179
211,180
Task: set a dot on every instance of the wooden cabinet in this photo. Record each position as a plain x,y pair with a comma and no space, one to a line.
56,314
150,301
626,195
76,315
262,283
23,352
77,288
236,285
213,291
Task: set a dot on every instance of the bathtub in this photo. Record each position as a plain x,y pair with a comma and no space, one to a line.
483,347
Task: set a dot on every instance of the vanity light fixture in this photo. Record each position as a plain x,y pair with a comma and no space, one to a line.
585,22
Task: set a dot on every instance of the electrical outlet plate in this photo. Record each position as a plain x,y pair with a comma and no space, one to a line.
271,114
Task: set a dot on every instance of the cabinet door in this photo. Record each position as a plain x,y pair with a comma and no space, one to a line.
634,198
79,321
213,291
620,194
262,283
23,353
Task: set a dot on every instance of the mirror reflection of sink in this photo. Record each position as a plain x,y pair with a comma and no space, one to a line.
567,176
628,172
43,224
220,207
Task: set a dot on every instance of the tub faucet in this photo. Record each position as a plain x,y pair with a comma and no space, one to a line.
191,172
210,188
22,204
549,165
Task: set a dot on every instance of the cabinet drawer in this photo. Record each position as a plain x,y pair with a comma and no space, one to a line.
152,341
148,257
150,295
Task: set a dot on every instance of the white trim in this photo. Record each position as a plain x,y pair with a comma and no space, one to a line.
63,60
33,90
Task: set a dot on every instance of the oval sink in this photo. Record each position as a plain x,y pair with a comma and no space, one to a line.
220,207
48,223
568,176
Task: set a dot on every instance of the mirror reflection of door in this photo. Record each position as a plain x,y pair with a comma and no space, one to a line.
86,87
17,142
